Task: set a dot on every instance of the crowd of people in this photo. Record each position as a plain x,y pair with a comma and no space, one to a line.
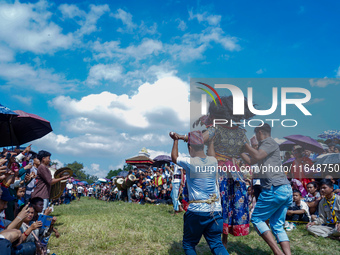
25,224
216,203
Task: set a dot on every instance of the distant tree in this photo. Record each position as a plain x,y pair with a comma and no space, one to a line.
78,171
111,173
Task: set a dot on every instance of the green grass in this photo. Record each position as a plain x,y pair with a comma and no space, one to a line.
97,227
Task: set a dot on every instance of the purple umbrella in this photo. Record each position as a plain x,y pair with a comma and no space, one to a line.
286,146
289,161
81,183
161,160
307,142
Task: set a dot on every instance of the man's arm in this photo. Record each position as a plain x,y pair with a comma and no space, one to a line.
247,159
256,155
174,151
54,181
16,223
290,212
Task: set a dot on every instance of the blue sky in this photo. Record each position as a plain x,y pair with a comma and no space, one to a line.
113,77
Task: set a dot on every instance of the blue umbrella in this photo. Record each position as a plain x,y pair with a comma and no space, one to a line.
85,182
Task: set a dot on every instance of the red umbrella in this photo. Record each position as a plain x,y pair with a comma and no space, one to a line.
80,183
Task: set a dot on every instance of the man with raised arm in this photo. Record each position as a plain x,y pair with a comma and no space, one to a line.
203,216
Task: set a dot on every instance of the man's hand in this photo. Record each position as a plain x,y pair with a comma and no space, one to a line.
29,166
36,225
65,177
48,211
24,212
54,219
310,224
289,212
174,135
27,149
3,161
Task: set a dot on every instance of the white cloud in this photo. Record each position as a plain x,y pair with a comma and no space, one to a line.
212,20
102,72
193,46
59,163
338,72
41,80
260,71
126,18
322,83
96,170
23,99
182,25
87,21
112,49
27,27
6,54
150,104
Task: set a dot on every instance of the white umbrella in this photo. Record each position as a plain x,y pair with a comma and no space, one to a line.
102,180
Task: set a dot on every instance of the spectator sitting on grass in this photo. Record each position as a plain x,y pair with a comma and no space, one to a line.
149,198
298,211
312,199
164,198
329,213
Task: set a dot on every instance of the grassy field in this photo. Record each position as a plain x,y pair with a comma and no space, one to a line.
98,227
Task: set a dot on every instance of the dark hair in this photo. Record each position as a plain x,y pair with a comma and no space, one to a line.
42,154
35,200
264,128
225,111
315,185
327,182
21,207
297,191
196,147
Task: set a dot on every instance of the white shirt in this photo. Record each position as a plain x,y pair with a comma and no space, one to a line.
202,183
177,171
303,206
90,191
80,189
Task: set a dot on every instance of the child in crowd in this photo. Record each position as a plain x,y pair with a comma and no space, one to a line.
312,199
20,194
298,211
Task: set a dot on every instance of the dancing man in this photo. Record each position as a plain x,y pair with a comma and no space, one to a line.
203,216
276,195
